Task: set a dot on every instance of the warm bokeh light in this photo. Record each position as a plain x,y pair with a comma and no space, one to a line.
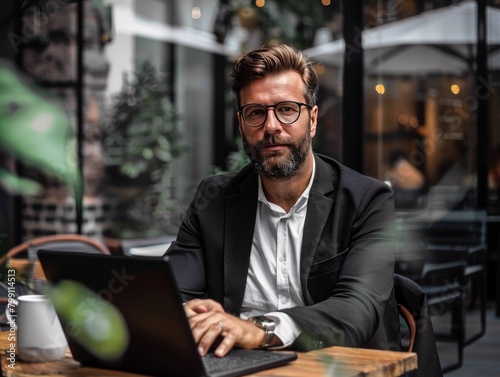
260,3
196,13
326,2
413,122
380,88
320,69
403,119
455,89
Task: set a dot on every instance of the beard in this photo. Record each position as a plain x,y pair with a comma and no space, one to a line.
274,164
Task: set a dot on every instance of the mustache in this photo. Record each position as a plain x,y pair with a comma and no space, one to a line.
271,140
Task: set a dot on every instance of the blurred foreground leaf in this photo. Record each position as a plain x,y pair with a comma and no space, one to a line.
93,322
33,129
14,184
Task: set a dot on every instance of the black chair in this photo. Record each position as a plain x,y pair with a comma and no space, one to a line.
410,253
412,297
429,253
23,256
411,326
444,286
461,236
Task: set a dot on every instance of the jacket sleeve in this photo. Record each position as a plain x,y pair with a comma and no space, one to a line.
186,252
197,253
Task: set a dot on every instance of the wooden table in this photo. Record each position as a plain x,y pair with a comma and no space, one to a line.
332,361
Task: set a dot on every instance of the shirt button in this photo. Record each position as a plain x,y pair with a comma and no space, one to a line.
283,300
282,259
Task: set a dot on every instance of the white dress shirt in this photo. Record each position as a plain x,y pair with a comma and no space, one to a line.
273,281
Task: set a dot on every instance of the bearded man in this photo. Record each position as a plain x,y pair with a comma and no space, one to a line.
296,250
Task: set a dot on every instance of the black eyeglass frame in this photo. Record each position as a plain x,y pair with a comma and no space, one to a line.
300,104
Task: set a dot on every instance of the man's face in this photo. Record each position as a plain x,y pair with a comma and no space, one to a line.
278,150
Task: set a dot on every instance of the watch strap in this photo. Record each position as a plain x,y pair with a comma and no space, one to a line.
268,339
268,326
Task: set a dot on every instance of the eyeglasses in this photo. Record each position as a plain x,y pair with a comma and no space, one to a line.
287,112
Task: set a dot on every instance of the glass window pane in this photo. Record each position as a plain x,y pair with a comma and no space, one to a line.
420,104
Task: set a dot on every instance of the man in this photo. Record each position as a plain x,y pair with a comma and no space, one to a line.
296,250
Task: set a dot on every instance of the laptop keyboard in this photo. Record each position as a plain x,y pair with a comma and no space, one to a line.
239,362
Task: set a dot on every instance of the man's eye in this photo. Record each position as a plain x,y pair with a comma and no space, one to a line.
286,109
256,113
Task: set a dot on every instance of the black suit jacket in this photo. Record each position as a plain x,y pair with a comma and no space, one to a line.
347,257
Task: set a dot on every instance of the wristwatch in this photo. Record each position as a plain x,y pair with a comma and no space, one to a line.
267,324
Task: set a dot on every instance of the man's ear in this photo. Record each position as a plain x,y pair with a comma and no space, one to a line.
314,120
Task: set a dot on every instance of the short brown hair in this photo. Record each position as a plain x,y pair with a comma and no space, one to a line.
274,59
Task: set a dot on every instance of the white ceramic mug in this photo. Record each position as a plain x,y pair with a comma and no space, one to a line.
40,336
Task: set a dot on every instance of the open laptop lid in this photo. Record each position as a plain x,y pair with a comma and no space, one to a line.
145,292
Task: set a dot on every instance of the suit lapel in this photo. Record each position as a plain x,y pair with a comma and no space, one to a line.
319,207
240,223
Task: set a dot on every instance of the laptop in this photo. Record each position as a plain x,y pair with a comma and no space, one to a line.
144,290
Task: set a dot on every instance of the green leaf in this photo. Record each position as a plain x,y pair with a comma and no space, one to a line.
164,156
147,153
95,323
33,129
18,185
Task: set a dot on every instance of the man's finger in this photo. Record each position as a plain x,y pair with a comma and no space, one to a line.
208,337
225,345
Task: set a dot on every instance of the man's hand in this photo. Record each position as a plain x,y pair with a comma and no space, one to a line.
208,321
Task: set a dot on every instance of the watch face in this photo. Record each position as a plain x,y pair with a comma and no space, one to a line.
264,322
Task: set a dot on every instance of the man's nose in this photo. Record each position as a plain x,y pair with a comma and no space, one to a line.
272,124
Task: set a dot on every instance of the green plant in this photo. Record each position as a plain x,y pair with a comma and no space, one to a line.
141,139
235,160
34,130
141,134
293,22
104,332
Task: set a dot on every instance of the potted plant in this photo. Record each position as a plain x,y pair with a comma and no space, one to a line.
141,139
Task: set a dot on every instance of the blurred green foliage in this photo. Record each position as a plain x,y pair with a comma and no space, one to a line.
236,160
34,130
95,323
141,134
141,140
